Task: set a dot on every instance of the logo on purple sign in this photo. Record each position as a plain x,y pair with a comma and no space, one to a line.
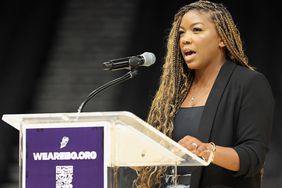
64,142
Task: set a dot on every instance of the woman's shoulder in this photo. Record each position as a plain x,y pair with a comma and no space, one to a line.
246,73
247,76
251,81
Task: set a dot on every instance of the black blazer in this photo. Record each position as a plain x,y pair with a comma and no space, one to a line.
238,114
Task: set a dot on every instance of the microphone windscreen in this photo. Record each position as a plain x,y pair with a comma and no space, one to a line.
149,58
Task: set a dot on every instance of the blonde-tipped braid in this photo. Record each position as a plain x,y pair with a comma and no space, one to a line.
170,85
167,100
177,79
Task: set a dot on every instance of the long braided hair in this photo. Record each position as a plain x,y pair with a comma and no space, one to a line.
177,78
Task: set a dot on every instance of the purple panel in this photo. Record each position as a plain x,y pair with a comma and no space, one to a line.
65,157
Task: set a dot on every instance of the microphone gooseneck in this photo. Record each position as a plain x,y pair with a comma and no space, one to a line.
119,80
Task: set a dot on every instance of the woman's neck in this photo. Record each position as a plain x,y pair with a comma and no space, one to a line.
206,77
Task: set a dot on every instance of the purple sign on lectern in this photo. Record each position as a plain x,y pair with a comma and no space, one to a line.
65,157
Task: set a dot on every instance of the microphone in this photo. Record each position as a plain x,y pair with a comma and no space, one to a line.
146,59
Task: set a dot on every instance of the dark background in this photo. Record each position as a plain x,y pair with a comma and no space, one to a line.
51,55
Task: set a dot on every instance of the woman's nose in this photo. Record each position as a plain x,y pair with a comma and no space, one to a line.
186,39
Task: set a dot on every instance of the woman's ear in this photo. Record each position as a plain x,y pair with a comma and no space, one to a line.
221,44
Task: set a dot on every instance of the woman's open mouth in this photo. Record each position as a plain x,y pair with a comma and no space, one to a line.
189,54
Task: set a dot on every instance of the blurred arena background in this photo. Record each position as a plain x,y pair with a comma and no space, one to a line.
51,55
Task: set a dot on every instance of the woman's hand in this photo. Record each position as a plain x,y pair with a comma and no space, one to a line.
197,147
225,157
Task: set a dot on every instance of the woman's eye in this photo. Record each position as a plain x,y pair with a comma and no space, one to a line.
197,29
181,32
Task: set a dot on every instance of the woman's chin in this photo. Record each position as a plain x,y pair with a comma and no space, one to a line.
192,65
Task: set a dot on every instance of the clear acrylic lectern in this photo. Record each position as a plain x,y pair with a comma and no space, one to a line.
78,149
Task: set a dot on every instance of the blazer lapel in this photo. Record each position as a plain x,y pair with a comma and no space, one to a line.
209,112
213,100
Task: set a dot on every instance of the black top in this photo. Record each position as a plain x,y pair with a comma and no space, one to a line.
186,122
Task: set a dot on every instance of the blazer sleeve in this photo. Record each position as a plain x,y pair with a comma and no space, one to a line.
254,125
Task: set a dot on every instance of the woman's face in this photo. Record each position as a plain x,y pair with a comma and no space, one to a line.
199,41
